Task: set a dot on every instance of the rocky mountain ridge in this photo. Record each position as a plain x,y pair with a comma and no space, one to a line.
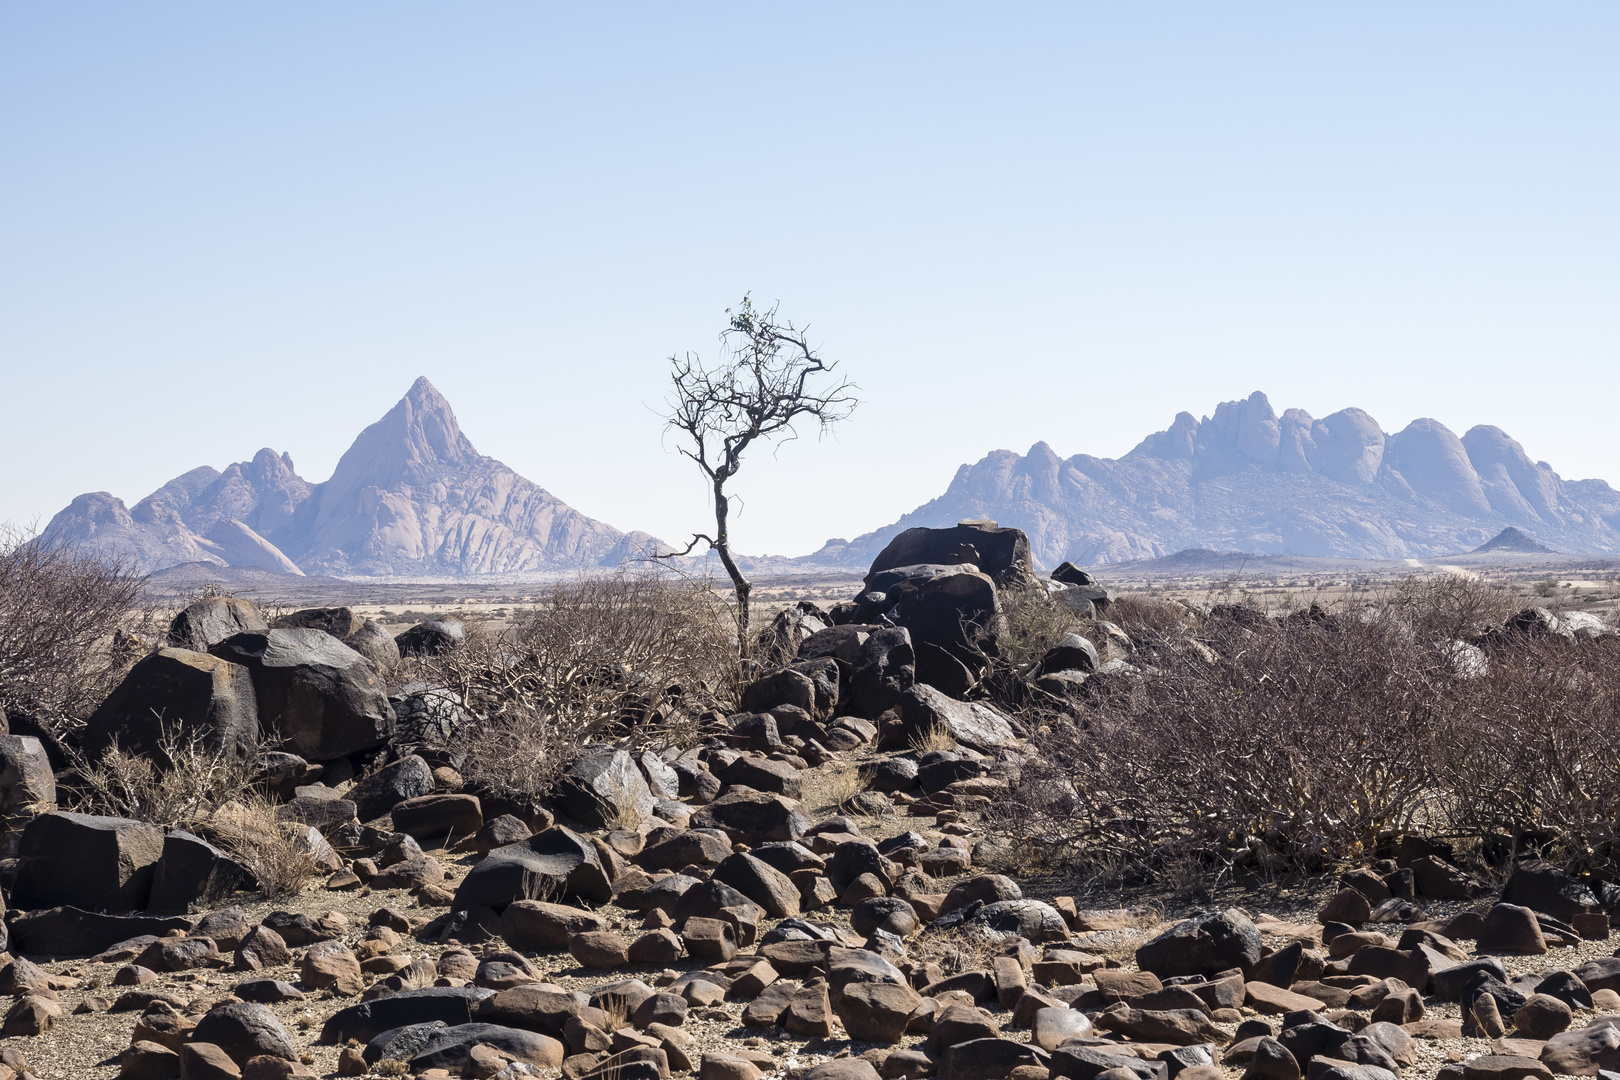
1247,479
411,496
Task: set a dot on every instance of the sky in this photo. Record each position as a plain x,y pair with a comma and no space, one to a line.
227,226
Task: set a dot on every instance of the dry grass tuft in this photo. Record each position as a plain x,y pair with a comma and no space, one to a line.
277,853
838,783
935,738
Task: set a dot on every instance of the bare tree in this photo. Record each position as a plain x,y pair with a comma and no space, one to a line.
759,388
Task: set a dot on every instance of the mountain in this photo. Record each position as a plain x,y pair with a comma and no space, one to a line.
1247,479
411,496
1512,542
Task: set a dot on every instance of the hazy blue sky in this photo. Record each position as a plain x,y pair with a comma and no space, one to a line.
227,226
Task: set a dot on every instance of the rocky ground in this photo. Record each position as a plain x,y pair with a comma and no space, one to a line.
967,973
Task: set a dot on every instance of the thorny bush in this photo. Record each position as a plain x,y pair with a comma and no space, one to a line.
61,612
1293,742
630,656
205,790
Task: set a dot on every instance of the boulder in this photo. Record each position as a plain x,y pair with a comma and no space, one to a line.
377,794
28,786
1542,887
1203,946
924,709
326,700
552,864
69,931
452,1048
1003,554
753,817
955,612
429,718
190,869
1584,1051
760,882
763,774
177,693
438,815
208,622
1030,919
434,637
373,641
875,1012
884,669
450,1005
781,687
99,863
1511,929
604,786
244,1030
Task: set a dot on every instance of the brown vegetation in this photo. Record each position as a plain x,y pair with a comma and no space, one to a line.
61,608
1294,742
637,656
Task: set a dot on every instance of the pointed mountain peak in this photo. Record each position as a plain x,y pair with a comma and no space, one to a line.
417,441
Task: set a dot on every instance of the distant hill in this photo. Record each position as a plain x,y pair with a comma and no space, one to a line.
410,497
1249,480
1512,541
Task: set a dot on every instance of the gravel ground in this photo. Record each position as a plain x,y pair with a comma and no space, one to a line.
87,1047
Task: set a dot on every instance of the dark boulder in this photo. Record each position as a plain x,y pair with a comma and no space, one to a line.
206,623
448,1005
373,641
99,863
377,794
1003,554
340,622
324,698
884,669
438,815
434,637
1542,887
428,717
552,864
451,1047
1203,946
178,693
957,612
245,1030
603,785
753,817
782,687
190,870
70,932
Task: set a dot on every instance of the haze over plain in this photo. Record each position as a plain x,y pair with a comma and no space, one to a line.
228,229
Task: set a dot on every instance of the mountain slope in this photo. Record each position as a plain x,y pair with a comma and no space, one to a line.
411,496
1249,480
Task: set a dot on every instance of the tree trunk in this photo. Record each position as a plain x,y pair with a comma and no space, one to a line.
722,544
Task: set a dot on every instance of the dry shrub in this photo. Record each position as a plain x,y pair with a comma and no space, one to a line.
1033,624
1315,736
277,853
61,608
837,785
198,780
204,790
633,656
